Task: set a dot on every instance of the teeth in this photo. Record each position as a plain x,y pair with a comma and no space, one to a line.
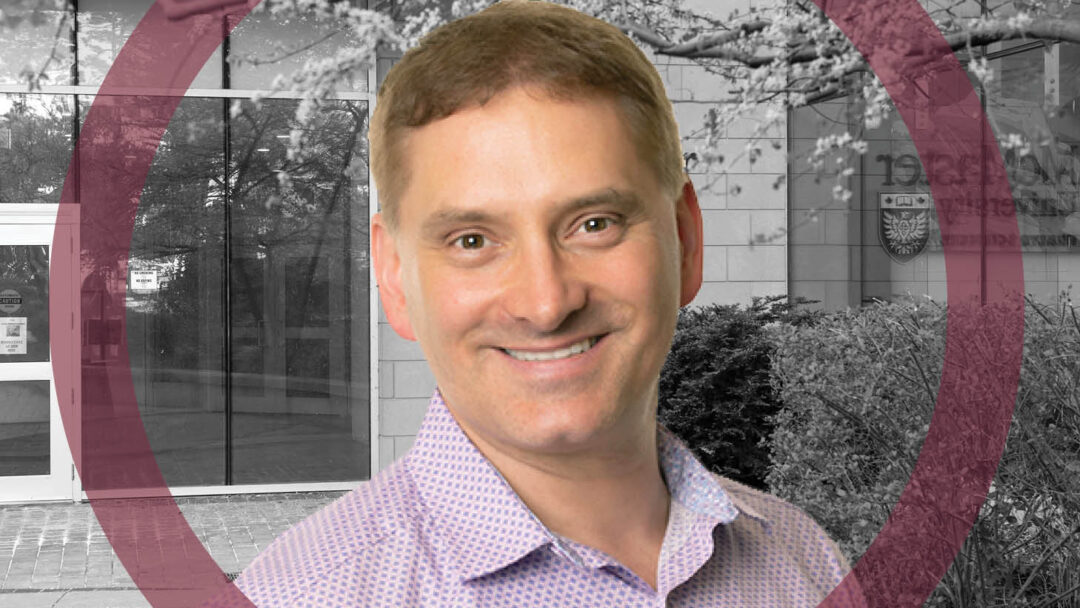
551,355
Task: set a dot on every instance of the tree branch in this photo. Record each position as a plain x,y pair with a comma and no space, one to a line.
720,46
1048,29
714,46
710,41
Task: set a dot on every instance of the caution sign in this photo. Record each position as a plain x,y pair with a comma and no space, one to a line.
144,280
10,301
12,335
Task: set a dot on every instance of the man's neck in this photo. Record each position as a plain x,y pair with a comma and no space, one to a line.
616,502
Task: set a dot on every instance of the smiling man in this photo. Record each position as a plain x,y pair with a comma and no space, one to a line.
537,237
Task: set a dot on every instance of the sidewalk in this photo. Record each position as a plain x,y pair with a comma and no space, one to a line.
56,555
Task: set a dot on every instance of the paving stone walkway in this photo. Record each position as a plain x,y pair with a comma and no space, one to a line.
56,555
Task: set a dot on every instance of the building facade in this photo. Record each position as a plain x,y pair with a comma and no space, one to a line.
853,253
260,358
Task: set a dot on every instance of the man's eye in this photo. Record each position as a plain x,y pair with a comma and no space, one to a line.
596,224
470,241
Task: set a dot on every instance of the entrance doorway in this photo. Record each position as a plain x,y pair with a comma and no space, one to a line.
35,460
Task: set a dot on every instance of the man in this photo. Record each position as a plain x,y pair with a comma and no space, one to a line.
537,237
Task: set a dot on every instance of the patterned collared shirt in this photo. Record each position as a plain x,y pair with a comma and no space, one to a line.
440,527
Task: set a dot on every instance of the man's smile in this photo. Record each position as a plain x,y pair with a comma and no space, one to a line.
576,348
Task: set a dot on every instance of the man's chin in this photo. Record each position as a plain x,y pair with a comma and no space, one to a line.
566,431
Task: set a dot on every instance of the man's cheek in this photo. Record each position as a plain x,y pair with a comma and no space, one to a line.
644,275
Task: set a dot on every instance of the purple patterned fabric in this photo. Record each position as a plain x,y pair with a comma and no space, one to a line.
441,528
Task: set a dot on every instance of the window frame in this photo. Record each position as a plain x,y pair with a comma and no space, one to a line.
75,91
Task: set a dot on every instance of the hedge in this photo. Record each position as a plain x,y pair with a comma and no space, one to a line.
858,389
715,392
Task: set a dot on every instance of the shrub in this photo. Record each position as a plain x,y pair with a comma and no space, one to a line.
858,389
715,392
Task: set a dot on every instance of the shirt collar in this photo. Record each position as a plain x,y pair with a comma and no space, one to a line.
694,487
474,511
487,527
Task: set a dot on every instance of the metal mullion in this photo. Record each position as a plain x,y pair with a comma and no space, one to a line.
75,42
226,291
76,172
95,91
374,422
1015,50
48,90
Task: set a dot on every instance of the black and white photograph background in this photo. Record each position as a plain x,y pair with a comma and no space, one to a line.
270,381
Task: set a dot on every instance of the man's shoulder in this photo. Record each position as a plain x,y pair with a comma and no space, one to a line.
768,506
785,525
382,517
780,538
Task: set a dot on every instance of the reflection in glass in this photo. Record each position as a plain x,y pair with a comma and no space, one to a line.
104,28
1044,175
299,293
174,309
1069,75
1021,75
36,44
264,45
35,147
247,299
24,303
24,428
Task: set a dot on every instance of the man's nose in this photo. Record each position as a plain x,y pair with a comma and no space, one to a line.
545,287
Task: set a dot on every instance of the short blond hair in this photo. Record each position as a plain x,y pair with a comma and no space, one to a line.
564,53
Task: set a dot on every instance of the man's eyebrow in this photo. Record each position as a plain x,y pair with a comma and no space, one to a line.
627,203
438,222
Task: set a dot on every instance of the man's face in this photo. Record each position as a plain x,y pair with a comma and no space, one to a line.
541,267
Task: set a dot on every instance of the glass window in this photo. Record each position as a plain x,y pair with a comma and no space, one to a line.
299,325
37,43
247,300
1022,75
104,28
24,303
174,297
1069,76
1044,174
24,428
35,147
264,46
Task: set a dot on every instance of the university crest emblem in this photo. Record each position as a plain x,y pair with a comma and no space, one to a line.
903,224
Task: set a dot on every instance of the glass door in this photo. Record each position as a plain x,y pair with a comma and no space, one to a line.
35,460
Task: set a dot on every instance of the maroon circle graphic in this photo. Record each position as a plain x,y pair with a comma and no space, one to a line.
112,157
985,324
926,528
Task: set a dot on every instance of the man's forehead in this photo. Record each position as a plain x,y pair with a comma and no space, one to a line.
540,92
427,161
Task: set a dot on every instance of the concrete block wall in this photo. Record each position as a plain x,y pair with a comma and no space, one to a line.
405,386
744,204
825,239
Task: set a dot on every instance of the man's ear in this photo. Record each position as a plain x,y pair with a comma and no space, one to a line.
691,242
387,264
